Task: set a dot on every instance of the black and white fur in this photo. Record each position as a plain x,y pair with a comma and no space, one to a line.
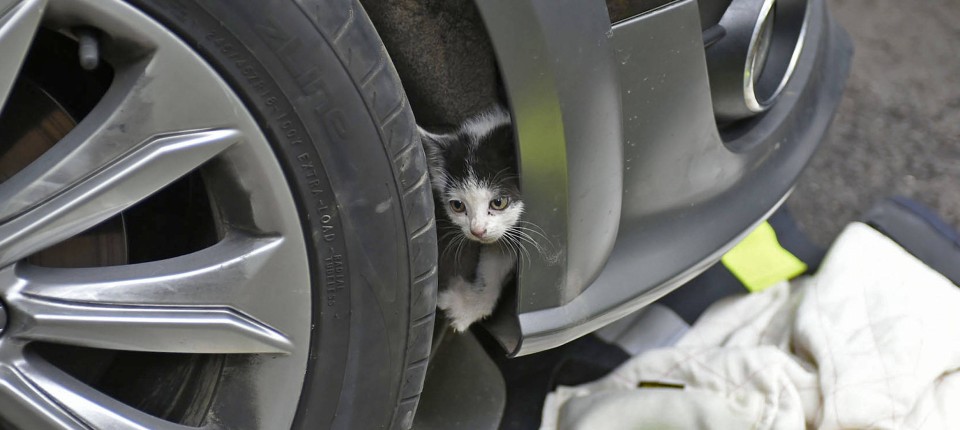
473,173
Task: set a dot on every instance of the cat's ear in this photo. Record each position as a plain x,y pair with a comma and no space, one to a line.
434,146
485,122
433,143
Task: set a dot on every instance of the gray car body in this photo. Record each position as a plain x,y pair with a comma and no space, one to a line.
621,159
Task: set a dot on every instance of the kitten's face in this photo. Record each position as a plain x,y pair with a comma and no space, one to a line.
482,209
474,172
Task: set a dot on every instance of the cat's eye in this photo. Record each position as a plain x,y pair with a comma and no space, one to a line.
500,203
457,206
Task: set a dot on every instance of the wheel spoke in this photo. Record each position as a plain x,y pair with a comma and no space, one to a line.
154,329
25,406
165,91
145,328
18,24
203,302
109,191
228,274
45,397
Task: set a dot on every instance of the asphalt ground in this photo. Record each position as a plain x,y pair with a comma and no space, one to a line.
897,131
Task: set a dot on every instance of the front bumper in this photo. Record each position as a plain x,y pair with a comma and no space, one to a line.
682,192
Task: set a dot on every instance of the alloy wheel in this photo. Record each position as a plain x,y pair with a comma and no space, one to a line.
232,311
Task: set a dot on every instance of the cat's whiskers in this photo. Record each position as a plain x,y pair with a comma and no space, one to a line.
524,238
523,234
447,230
514,240
462,240
506,242
533,228
447,248
524,250
448,234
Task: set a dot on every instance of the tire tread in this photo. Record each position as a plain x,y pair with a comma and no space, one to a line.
377,83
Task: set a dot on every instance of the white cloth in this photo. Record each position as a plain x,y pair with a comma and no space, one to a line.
871,341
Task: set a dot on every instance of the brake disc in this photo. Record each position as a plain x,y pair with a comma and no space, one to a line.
27,131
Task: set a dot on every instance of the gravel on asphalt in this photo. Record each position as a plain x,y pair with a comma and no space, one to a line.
897,131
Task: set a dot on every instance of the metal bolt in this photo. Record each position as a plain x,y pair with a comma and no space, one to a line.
89,47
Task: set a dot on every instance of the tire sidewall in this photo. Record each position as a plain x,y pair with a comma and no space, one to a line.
313,75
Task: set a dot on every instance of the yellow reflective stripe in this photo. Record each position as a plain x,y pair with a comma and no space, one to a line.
759,261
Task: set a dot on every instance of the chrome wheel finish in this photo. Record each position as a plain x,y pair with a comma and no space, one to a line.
166,115
3,318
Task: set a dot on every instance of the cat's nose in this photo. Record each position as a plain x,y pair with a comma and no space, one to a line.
478,232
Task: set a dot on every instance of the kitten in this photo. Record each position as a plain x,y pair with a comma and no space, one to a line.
474,177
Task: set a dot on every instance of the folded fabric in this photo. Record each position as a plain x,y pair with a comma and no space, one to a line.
871,341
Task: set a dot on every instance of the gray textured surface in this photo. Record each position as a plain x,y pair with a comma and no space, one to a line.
898,128
442,54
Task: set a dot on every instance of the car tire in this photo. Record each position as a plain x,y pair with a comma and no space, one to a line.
318,80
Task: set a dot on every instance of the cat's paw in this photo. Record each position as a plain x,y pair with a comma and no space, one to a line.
463,305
